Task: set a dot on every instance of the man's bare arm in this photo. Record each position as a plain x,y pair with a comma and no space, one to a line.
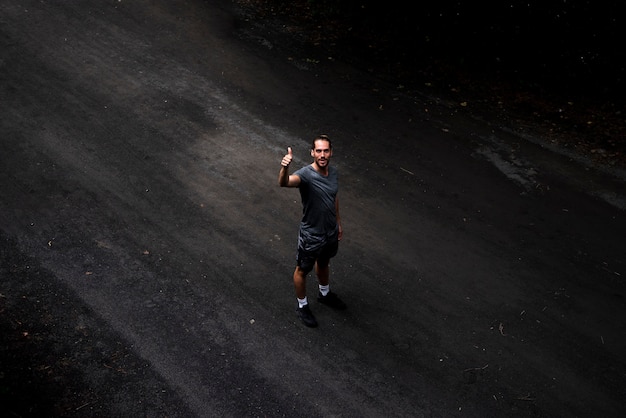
284,179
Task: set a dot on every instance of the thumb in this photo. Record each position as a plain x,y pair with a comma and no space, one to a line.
289,152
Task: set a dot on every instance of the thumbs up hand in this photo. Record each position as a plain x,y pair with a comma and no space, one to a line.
287,158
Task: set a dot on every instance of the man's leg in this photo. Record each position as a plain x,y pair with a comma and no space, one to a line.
322,264
299,282
322,270
325,296
303,311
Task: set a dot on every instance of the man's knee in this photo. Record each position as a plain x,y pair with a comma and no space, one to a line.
322,263
304,266
300,273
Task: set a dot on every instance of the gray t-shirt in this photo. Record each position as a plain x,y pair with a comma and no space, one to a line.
319,216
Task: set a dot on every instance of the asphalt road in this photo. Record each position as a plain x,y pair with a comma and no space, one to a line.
147,250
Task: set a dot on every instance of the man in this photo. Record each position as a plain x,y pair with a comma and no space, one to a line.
320,228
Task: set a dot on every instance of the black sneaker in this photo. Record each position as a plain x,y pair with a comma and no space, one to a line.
306,316
332,300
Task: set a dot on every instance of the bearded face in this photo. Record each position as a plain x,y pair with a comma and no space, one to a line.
321,153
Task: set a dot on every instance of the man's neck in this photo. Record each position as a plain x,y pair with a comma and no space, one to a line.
321,170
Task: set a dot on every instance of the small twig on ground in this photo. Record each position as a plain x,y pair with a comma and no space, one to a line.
476,369
84,405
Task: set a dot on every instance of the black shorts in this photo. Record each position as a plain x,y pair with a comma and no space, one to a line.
306,259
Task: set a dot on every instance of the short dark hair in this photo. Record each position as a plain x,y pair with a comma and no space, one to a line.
322,137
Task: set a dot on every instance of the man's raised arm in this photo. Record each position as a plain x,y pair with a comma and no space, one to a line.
284,179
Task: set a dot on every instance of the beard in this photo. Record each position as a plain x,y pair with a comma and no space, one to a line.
322,162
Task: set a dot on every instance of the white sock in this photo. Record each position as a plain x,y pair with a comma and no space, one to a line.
302,302
324,289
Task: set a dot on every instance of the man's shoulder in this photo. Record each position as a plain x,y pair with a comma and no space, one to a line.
304,171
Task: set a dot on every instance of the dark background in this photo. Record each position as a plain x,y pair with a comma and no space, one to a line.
142,228
552,68
568,47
